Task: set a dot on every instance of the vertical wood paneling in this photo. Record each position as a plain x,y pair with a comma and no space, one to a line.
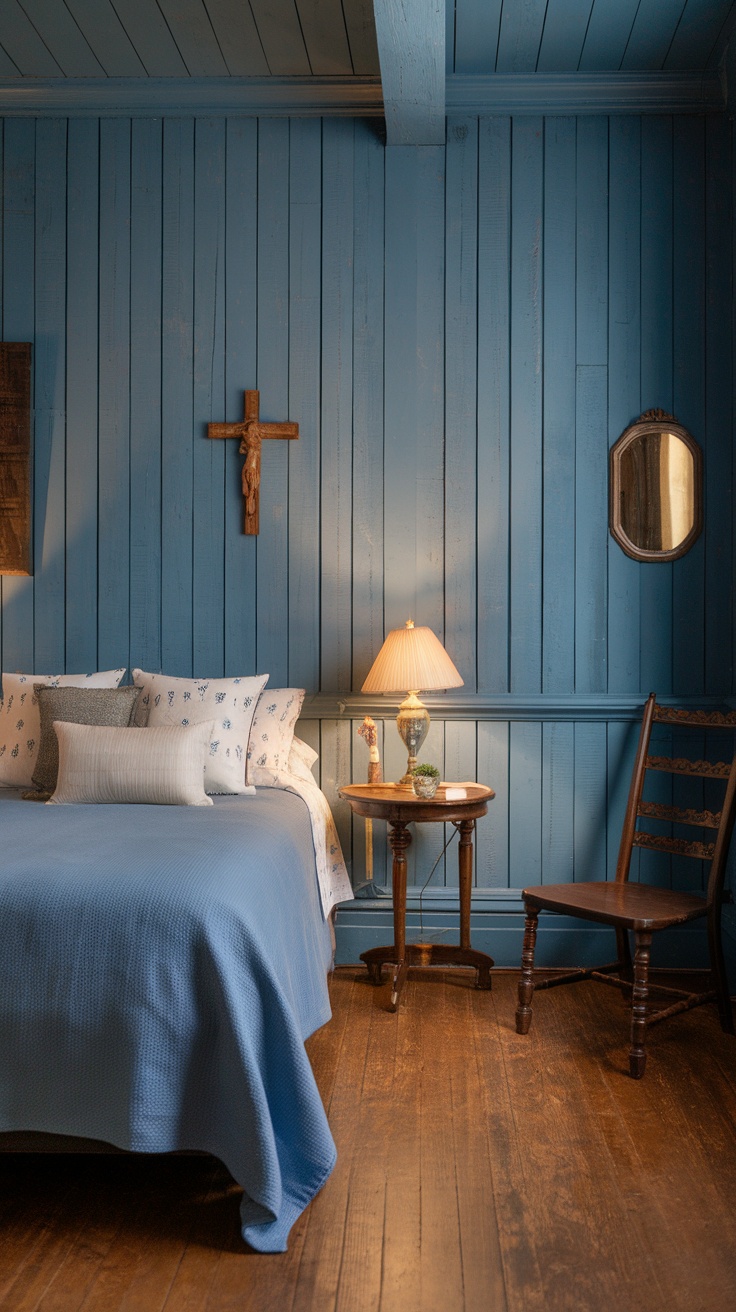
494,358
81,394
49,367
591,517
589,792
525,804
526,405
655,583
241,320
208,598
413,450
558,592
717,437
368,441
558,802
492,837
461,361
624,379
337,400
272,624
145,416
116,541
177,418
305,266
18,326
688,633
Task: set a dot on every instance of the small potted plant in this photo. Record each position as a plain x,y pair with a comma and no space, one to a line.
425,780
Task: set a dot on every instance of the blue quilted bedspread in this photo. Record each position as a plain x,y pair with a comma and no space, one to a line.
160,967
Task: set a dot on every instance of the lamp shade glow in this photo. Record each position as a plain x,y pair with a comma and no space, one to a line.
411,659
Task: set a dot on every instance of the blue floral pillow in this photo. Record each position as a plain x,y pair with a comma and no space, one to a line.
230,703
272,732
20,719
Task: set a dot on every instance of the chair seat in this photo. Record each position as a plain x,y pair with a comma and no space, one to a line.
633,906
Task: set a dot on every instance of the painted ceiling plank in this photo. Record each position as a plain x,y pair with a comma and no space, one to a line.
60,33
477,28
237,34
361,30
23,44
411,50
192,30
564,36
697,34
7,67
323,29
608,34
651,36
521,35
149,34
724,38
281,37
106,36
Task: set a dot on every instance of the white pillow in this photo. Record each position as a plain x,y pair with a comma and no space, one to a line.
273,728
161,766
20,719
229,703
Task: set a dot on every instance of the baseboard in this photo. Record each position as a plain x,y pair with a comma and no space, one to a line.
498,930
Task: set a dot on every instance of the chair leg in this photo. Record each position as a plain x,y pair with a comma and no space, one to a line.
623,952
526,981
637,1055
718,969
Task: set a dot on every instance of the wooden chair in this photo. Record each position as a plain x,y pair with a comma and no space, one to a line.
645,908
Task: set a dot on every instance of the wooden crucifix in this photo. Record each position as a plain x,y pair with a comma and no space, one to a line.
251,431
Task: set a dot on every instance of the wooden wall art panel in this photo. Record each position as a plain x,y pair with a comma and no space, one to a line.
15,458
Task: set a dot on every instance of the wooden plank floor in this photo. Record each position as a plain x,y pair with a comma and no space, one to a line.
477,1171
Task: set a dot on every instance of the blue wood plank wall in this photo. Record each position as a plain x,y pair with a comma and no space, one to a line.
461,334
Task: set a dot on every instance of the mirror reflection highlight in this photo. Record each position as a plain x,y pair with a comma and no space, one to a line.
657,491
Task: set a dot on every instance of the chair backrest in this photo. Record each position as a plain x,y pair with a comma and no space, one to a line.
722,821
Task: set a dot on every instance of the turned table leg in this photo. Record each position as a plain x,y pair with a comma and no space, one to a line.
526,981
465,876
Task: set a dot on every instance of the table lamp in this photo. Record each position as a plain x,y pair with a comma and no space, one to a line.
412,659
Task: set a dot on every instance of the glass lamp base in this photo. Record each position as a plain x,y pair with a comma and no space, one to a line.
412,723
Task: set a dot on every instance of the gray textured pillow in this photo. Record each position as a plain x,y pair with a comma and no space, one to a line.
113,707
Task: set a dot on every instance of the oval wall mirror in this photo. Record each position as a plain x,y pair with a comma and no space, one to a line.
656,488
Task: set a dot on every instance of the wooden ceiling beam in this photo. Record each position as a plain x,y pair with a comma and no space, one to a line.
411,52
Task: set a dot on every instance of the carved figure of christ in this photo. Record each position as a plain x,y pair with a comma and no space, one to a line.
251,432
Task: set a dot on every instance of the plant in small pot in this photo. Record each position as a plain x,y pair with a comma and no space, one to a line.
425,780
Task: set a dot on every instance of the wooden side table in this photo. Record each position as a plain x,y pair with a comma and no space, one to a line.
400,807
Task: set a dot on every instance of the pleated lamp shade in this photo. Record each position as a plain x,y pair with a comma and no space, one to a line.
411,658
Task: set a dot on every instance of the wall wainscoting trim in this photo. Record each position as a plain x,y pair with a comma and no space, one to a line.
561,941
498,706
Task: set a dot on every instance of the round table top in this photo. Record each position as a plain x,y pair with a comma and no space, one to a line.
383,799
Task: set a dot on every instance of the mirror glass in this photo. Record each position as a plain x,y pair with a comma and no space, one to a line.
657,491
656,497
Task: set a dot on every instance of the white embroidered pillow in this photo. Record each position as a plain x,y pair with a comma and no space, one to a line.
272,733
20,720
230,703
103,766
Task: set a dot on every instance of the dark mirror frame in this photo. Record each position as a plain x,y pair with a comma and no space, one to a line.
653,421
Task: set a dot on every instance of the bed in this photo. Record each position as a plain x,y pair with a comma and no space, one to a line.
161,969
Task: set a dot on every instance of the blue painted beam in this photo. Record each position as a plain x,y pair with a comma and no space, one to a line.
411,51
